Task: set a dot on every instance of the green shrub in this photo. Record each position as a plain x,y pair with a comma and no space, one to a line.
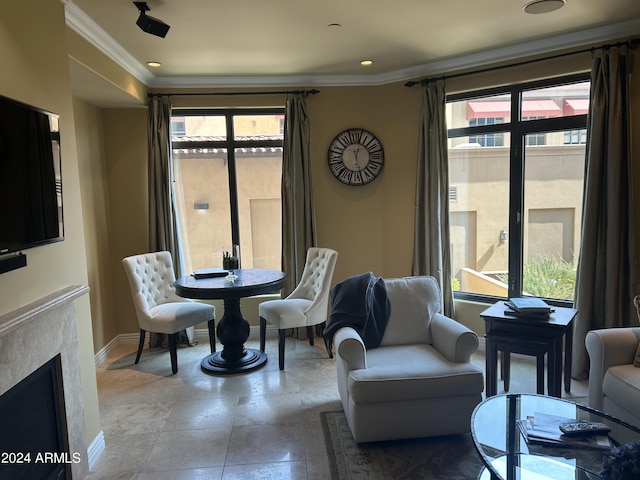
547,277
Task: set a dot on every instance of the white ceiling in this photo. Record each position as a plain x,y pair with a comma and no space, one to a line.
219,43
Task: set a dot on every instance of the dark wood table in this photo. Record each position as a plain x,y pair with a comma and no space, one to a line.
529,336
233,328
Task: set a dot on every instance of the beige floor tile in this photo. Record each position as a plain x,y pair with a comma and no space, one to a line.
135,418
189,449
213,473
268,471
255,444
198,414
125,456
282,409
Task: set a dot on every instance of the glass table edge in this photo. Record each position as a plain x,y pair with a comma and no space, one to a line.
487,461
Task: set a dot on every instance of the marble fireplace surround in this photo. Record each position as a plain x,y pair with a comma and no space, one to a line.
34,334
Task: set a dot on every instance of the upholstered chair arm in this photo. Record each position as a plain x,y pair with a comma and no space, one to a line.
608,347
141,304
452,339
350,347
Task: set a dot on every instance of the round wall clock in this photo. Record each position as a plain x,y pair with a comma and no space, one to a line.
356,156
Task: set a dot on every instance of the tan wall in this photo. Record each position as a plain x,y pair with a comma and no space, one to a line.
370,226
93,184
125,147
35,71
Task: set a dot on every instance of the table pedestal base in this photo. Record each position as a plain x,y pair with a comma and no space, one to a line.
251,360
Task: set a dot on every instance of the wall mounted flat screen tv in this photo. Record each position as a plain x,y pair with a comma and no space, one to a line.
30,177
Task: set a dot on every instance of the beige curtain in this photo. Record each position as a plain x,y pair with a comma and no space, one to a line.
164,231
431,255
607,277
298,218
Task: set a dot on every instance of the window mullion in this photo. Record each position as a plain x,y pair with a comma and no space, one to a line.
516,198
233,184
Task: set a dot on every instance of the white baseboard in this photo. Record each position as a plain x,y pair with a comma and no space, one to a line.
96,449
101,354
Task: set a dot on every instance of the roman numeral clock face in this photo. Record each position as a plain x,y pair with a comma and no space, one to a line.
356,156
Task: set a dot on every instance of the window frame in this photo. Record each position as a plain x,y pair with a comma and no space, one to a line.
230,144
518,130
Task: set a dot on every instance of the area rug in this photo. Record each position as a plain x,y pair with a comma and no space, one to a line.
442,458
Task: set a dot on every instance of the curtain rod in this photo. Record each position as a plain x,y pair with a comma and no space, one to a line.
425,81
188,94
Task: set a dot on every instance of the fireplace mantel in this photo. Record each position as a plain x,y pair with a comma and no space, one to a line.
34,334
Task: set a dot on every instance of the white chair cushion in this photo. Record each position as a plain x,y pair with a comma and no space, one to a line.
175,316
289,313
422,373
622,384
413,301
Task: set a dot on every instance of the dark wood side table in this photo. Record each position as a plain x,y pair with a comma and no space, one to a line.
529,336
233,328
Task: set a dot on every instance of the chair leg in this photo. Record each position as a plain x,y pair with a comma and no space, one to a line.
140,345
263,333
310,334
329,349
211,324
173,351
281,336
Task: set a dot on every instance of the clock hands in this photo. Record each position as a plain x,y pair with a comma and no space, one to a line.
355,155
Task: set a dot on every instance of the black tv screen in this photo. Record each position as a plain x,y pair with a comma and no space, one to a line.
30,177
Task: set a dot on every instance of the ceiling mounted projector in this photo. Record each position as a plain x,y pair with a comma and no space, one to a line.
149,24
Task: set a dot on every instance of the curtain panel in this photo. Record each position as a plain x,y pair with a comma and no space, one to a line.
164,233
607,275
298,217
431,255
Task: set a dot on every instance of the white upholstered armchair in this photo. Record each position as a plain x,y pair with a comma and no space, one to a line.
306,305
158,308
420,381
614,381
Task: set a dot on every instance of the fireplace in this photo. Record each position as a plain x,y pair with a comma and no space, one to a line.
33,438
41,410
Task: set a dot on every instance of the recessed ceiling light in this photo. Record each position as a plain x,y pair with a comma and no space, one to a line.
366,63
543,6
154,64
334,25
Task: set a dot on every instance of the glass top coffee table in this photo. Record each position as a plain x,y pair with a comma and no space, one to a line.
508,456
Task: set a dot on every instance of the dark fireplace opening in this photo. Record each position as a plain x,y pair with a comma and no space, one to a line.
33,436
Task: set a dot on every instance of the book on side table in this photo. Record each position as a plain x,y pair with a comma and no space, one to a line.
528,307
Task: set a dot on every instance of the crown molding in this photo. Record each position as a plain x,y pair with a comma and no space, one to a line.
549,45
93,33
84,26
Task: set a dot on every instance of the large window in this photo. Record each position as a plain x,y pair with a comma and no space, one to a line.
227,169
516,220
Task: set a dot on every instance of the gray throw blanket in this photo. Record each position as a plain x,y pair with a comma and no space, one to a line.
360,302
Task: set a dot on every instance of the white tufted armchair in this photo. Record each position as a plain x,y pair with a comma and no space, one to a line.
306,305
158,308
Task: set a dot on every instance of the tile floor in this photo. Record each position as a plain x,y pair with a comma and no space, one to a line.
264,424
